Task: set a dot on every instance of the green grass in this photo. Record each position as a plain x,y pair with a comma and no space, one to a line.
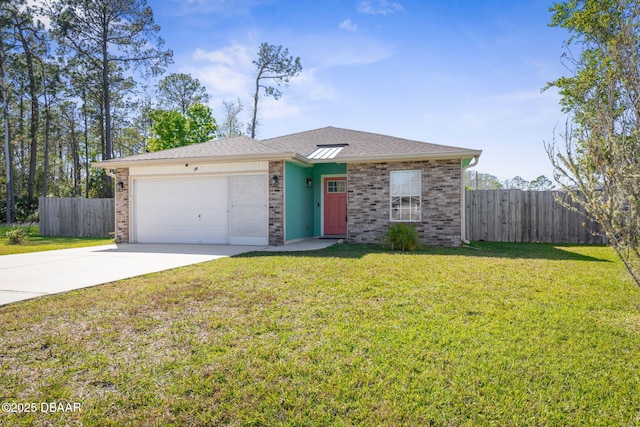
37,243
498,334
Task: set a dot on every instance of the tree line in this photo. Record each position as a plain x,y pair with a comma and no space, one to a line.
483,181
74,90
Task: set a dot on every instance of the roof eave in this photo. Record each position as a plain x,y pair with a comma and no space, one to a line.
115,164
401,157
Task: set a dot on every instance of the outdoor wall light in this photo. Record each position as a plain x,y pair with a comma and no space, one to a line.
309,183
275,180
120,186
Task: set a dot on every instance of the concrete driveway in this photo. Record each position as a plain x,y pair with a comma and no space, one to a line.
31,275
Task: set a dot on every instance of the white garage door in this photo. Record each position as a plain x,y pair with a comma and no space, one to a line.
181,210
249,210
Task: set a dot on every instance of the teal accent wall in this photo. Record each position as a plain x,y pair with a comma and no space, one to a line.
303,214
298,202
318,171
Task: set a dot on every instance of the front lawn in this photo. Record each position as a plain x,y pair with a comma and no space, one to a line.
37,243
501,334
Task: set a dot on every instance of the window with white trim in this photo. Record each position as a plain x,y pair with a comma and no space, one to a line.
406,200
337,186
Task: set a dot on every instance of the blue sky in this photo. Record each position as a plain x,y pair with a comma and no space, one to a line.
465,73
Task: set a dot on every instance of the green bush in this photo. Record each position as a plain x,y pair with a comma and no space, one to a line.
17,236
402,237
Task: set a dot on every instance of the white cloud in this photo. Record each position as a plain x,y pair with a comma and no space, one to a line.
225,72
304,94
328,52
236,56
43,18
379,7
229,74
312,88
348,25
271,109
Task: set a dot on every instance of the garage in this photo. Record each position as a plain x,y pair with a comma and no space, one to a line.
201,210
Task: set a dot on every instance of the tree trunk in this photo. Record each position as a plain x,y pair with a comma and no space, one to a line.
101,120
35,120
10,216
255,107
21,152
107,100
45,174
75,155
86,142
106,89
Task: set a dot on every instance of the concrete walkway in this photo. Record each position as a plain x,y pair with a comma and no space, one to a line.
32,275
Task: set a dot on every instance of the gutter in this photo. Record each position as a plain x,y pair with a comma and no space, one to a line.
115,164
463,201
296,157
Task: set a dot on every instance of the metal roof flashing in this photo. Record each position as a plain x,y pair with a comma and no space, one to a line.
323,153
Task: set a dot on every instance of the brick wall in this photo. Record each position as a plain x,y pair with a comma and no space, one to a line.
276,204
122,206
369,201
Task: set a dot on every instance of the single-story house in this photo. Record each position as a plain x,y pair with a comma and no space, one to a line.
327,182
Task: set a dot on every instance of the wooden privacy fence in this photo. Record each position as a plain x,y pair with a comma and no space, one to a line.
491,215
526,216
76,217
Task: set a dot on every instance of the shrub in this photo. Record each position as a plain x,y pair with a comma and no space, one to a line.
401,237
17,236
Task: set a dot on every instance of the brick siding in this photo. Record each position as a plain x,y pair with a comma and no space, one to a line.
122,206
276,204
368,207
368,202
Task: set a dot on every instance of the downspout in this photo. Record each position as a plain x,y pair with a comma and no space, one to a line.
463,199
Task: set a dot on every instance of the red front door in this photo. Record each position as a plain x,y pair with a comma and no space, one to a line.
335,206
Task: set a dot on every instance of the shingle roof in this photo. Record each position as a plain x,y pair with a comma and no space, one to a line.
356,146
239,146
361,146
